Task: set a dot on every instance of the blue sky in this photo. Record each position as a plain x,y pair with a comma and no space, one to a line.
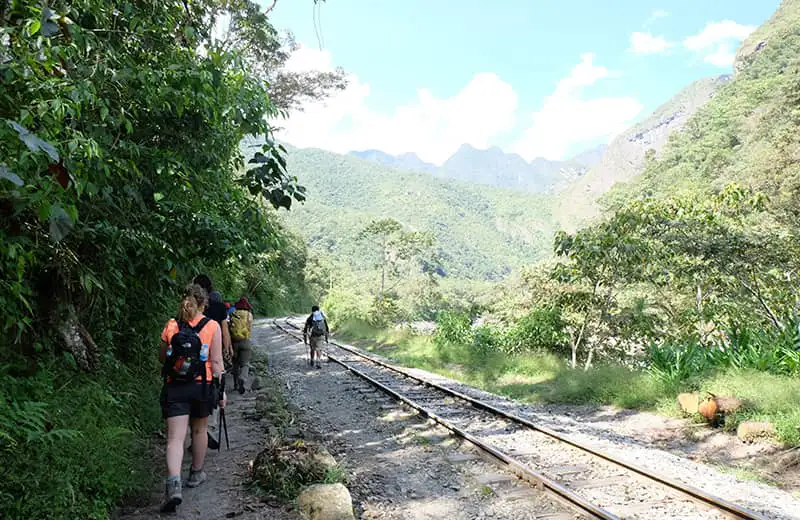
537,77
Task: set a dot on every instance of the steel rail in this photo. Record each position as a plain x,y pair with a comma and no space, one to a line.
694,493
517,468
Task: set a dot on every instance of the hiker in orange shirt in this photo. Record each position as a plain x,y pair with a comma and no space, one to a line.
191,349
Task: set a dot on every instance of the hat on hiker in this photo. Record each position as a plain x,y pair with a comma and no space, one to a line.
244,304
215,297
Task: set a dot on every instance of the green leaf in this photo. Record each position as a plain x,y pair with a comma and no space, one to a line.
34,27
44,211
7,174
60,224
33,143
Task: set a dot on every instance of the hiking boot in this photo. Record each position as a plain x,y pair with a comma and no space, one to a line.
240,386
318,365
173,496
196,477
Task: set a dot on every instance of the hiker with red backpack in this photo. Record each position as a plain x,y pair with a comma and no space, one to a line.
316,328
241,327
191,352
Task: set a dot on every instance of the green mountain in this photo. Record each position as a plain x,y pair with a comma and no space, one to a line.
406,161
624,159
717,130
481,232
748,132
493,167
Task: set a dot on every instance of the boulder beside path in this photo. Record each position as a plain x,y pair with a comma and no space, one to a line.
325,502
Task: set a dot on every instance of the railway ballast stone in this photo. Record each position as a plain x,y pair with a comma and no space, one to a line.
326,502
750,431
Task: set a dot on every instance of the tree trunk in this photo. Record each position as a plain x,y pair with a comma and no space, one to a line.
574,362
699,299
383,280
589,358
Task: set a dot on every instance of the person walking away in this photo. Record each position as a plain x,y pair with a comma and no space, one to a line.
241,329
191,352
215,309
317,327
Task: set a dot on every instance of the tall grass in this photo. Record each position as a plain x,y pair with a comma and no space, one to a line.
757,368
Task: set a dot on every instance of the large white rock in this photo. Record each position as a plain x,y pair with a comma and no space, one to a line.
326,502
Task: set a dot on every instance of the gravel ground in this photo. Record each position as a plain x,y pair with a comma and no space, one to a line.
599,428
399,465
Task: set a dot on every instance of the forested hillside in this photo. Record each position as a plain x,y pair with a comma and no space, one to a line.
480,232
624,158
747,133
120,180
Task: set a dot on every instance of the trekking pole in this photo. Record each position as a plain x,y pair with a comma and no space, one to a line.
225,429
221,419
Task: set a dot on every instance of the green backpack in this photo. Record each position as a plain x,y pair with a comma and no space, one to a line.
239,328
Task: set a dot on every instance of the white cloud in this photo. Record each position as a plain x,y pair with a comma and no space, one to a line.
715,41
567,118
723,57
430,126
656,15
646,43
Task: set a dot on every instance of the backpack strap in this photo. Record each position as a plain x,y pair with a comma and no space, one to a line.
197,328
203,323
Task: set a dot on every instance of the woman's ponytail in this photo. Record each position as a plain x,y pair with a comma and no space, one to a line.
193,302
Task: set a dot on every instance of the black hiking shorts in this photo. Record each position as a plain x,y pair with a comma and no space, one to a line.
193,399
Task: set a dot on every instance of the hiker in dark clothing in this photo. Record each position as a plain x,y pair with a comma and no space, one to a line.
215,309
316,328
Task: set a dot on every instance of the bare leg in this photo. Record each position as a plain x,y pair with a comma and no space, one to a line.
199,442
176,434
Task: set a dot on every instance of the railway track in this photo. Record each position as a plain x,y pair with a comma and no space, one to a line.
595,484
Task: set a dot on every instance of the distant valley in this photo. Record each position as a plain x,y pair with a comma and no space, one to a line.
491,212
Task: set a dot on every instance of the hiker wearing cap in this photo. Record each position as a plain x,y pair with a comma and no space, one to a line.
316,327
191,352
241,328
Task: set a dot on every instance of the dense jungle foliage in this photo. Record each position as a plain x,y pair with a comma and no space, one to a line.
120,179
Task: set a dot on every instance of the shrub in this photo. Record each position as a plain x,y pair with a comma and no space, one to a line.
453,328
542,329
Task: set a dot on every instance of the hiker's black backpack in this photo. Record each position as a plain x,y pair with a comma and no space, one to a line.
317,327
183,363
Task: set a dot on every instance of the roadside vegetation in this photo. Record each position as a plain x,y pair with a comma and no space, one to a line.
121,177
541,376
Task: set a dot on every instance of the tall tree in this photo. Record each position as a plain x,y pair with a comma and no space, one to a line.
242,24
396,248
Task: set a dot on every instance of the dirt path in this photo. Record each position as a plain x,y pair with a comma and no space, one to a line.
227,492
398,465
